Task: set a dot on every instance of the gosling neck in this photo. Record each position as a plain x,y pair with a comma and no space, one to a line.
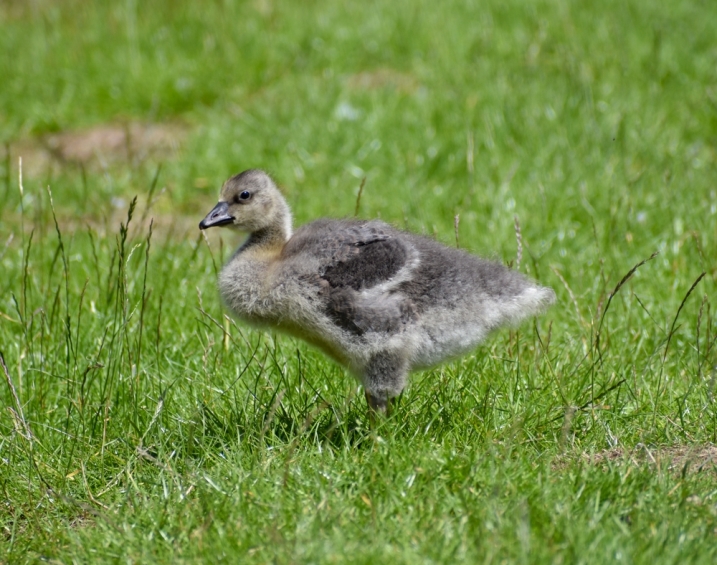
266,239
272,238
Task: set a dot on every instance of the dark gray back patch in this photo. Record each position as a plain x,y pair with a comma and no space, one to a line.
368,264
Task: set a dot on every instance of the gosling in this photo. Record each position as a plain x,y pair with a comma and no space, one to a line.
380,301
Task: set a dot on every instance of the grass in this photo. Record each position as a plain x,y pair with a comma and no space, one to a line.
140,424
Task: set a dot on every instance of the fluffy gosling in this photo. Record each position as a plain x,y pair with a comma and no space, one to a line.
380,301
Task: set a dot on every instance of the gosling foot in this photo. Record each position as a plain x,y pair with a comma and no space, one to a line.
379,408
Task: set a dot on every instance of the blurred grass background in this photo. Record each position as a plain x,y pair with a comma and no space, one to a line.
142,425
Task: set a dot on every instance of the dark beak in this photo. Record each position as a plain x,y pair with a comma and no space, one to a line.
219,216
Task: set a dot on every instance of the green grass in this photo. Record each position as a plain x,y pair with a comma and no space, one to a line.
141,425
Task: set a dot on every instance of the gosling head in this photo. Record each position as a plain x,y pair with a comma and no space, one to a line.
250,202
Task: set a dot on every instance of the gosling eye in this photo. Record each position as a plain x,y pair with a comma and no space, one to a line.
243,196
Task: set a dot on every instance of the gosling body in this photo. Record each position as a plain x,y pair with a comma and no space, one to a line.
380,301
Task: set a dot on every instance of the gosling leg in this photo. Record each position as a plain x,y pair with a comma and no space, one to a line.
384,380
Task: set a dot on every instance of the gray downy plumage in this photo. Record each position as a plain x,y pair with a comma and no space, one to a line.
380,301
